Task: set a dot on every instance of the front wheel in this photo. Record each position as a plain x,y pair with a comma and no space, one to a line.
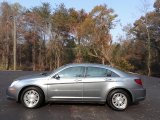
118,99
32,97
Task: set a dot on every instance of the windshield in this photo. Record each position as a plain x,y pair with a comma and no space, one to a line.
56,70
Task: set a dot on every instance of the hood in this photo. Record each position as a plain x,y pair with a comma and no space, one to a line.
34,76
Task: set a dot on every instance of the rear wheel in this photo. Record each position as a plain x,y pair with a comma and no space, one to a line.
32,97
118,99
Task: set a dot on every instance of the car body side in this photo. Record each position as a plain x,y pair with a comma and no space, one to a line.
106,85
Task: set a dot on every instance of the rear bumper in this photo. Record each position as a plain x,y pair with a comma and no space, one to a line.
139,94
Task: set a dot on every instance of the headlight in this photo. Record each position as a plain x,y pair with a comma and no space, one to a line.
13,83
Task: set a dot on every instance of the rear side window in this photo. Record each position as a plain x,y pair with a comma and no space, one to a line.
114,74
99,72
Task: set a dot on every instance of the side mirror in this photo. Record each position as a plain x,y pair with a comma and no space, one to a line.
109,74
56,76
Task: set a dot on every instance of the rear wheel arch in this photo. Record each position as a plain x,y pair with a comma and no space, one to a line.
127,91
119,99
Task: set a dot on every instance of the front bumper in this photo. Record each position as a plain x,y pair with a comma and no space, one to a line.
11,93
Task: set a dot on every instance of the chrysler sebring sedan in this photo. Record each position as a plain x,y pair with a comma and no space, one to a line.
93,83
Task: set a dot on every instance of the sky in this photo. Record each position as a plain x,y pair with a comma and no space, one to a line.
127,10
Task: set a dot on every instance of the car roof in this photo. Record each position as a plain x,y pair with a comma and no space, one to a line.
87,64
119,72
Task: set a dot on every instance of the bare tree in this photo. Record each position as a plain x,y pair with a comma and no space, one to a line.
144,10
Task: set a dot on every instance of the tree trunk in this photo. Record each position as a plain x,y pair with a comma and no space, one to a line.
34,57
149,53
40,56
20,56
7,57
103,61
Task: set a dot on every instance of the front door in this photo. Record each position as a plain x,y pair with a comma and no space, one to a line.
68,86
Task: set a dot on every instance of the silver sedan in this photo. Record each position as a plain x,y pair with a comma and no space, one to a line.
93,83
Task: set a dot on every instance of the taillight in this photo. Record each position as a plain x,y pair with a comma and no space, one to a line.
138,81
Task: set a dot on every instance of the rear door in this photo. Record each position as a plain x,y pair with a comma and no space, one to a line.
96,82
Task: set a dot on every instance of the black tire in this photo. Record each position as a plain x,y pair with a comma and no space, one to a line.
118,92
38,92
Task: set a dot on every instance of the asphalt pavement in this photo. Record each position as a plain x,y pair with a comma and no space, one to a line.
148,109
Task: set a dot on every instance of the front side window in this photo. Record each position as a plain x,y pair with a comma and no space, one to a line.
99,72
71,72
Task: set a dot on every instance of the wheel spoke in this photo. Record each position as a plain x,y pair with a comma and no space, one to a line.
31,98
119,100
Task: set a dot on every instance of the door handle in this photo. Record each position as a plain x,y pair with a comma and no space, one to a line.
109,79
78,80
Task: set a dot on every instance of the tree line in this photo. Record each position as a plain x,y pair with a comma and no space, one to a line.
47,39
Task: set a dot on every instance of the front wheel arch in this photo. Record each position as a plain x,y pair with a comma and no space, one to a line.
21,91
32,97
